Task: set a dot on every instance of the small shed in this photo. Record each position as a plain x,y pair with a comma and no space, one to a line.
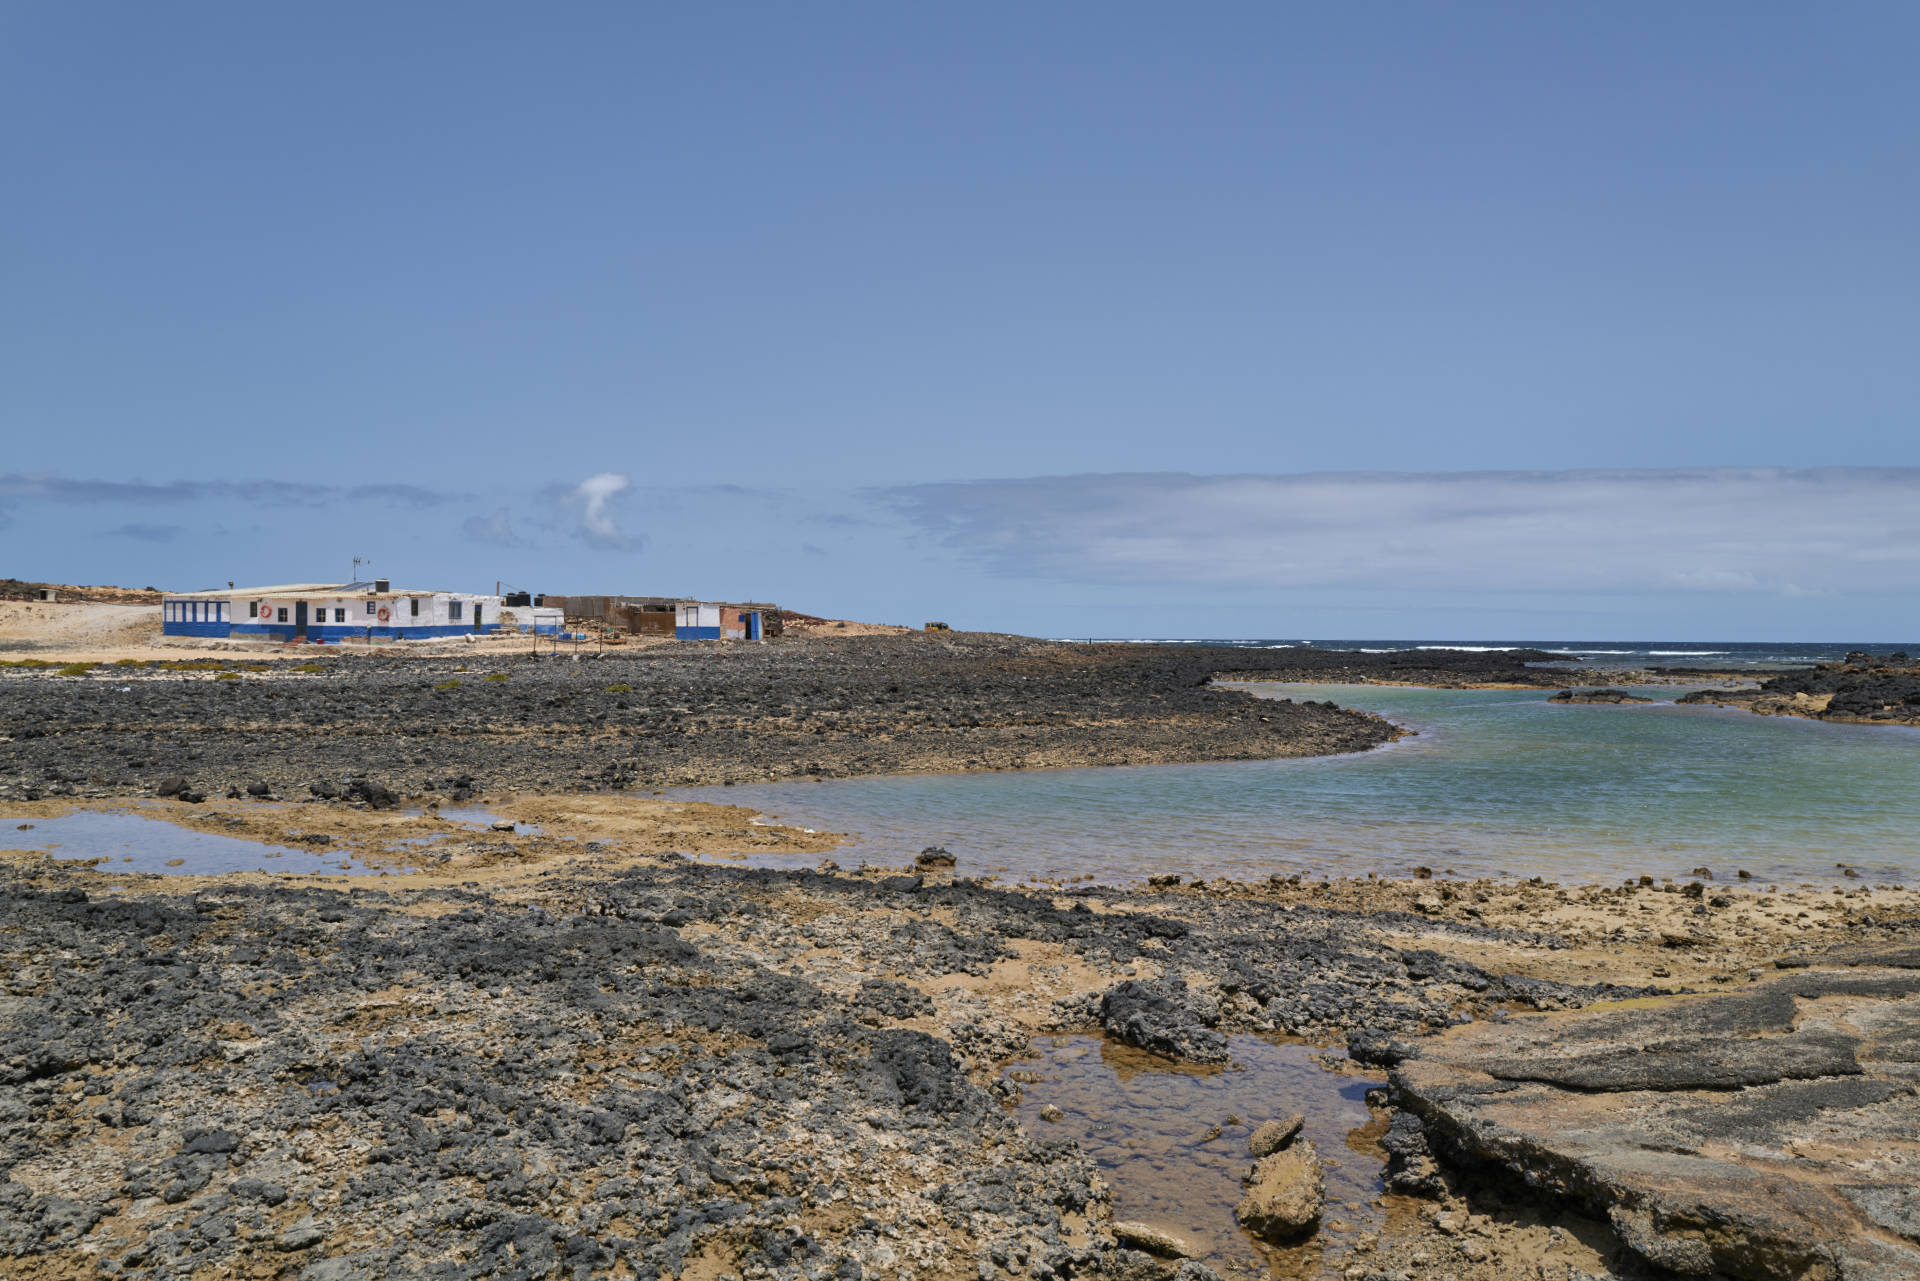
706,620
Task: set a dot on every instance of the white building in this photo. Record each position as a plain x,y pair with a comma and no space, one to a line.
322,612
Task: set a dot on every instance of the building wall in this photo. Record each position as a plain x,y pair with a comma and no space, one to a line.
537,619
695,621
233,617
205,618
739,624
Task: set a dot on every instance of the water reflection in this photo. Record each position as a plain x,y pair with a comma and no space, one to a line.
129,842
1171,1138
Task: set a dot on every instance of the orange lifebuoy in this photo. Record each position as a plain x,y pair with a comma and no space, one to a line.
383,614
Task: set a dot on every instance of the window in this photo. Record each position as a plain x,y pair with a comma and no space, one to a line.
414,606
453,610
370,608
253,609
283,614
340,615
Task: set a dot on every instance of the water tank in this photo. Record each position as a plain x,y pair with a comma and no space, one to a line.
382,585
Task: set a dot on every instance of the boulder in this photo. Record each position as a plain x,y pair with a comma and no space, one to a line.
1274,1135
1161,1017
933,856
1720,1134
1285,1194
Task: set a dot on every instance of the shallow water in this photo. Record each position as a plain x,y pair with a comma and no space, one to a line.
1146,1122
476,816
1497,782
131,842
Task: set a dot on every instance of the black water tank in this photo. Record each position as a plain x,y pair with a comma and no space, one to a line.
382,585
517,598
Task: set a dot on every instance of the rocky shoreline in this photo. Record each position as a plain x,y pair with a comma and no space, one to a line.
1862,690
641,1065
669,715
573,1052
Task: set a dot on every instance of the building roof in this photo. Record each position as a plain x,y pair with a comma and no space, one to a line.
359,591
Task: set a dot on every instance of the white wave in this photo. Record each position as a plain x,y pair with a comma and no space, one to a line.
1470,649
1687,653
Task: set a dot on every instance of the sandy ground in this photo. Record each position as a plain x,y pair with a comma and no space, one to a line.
79,631
846,627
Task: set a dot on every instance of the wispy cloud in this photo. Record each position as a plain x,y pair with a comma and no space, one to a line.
1695,530
279,493
596,496
495,530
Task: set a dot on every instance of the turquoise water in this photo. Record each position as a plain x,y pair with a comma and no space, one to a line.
1496,782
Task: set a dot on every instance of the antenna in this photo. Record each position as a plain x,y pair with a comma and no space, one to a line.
358,561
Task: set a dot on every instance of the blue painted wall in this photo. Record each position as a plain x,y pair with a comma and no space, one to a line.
336,632
696,633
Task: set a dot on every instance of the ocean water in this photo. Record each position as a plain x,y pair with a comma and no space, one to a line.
1495,782
1729,655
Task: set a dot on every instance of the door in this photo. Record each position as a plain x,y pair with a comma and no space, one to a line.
300,619
477,610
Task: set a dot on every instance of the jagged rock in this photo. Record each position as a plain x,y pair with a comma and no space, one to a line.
1597,696
1158,1016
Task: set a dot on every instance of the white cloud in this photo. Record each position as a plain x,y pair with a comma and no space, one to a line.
595,495
1716,530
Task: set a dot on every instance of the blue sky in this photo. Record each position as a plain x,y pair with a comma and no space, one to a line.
1554,321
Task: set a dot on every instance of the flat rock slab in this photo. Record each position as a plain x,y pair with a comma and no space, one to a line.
1772,1132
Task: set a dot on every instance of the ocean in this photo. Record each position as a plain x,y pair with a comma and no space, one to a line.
1731,655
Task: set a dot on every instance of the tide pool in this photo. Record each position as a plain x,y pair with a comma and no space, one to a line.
1494,783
